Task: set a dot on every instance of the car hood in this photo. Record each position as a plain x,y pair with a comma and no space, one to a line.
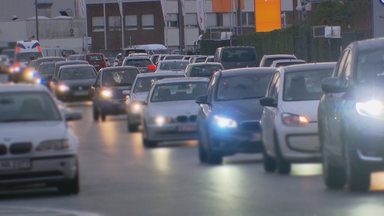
139,96
32,131
239,110
173,108
81,82
307,108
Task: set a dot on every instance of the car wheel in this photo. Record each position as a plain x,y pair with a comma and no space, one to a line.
283,166
133,127
96,114
268,162
71,186
213,157
202,154
358,178
103,116
146,142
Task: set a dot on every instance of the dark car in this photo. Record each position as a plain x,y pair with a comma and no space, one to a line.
139,93
203,69
35,63
74,82
229,116
110,90
62,63
236,57
45,73
351,117
143,63
97,60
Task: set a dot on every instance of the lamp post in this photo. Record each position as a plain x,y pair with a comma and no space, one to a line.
37,21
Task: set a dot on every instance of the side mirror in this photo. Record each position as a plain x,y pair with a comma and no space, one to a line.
126,92
72,116
332,85
202,99
268,101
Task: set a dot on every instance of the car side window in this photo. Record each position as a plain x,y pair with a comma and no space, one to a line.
274,86
210,87
346,71
340,67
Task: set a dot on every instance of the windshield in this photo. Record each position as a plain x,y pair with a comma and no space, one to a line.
304,85
243,86
77,73
27,106
46,68
179,91
239,55
173,65
28,56
94,58
204,70
138,62
370,67
119,77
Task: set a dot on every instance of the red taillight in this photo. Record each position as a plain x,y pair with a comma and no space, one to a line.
152,67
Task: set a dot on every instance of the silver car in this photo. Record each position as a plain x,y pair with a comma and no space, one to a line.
170,111
36,144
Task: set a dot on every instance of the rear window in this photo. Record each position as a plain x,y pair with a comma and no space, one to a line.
77,73
119,77
173,65
27,56
179,91
95,58
138,62
268,61
238,55
204,70
46,68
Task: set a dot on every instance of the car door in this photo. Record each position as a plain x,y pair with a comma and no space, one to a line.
269,115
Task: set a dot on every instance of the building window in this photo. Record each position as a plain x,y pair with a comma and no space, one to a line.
148,21
229,20
114,23
248,19
211,20
131,22
97,24
190,20
172,21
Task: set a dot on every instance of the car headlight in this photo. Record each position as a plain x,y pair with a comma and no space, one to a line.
53,145
136,107
373,108
224,122
290,119
106,93
30,74
63,88
162,120
15,69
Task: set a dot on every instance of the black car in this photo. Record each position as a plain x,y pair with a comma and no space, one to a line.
62,63
111,87
236,57
73,82
351,117
229,116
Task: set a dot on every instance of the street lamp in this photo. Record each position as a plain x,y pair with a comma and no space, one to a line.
37,21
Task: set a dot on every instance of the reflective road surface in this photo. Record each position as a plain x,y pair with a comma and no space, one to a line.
120,177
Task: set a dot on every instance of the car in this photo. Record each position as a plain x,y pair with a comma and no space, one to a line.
37,146
236,57
210,59
96,59
76,57
351,114
197,59
45,73
139,93
267,60
143,63
173,57
172,66
170,110
289,119
74,82
286,62
62,63
229,116
31,73
110,90
203,69
154,58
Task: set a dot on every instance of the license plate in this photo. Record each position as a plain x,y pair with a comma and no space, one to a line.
80,93
186,128
15,164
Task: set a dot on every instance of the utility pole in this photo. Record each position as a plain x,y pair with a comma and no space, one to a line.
181,27
239,19
37,20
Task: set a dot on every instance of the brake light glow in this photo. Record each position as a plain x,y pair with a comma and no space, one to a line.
152,67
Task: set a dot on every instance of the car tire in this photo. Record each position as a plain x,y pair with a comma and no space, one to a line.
133,127
269,163
213,157
96,114
146,142
283,166
103,116
202,154
71,186
358,178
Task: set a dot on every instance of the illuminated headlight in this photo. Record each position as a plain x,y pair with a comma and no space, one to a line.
224,122
30,74
136,107
53,145
294,120
63,88
106,93
15,69
372,108
161,120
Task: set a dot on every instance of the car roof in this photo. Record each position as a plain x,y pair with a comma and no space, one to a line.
22,88
182,79
72,62
370,44
279,55
287,60
306,66
138,57
117,68
157,74
205,63
174,60
90,54
76,66
245,71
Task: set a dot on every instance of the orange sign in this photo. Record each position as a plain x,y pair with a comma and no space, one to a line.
225,6
267,15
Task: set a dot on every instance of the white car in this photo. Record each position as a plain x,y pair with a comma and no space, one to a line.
289,119
170,112
172,66
36,145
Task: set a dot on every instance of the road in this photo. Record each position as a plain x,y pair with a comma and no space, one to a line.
120,177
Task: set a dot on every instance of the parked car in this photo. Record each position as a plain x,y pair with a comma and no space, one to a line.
203,69
289,119
351,114
170,110
173,66
139,93
97,60
74,82
143,63
287,62
267,60
37,145
236,57
110,91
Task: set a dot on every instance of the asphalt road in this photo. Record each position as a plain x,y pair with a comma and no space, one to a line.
120,177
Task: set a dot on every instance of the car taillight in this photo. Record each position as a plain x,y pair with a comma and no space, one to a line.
152,67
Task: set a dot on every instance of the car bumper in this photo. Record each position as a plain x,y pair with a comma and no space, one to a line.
134,118
171,132
74,95
299,144
42,170
113,107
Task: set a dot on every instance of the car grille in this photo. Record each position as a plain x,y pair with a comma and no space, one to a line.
20,148
3,149
80,88
250,126
185,118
